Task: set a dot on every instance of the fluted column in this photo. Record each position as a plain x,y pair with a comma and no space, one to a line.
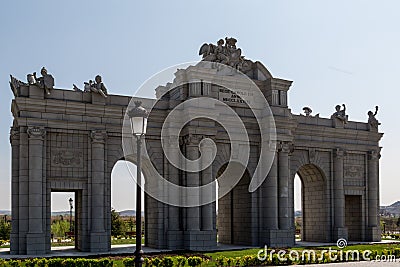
192,179
36,139
206,177
373,185
339,200
269,205
173,177
14,140
98,179
283,193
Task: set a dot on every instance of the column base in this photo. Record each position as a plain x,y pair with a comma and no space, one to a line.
374,234
175,239
99,242
340,232
277,238
14,243
200,240
35,244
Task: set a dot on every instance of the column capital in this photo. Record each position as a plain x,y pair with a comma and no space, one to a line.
285,147
98,136
339,153
14,134
374,154
193,139
36,132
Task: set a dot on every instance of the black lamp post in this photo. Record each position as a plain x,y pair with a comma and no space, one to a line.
138,118
384,227
70,213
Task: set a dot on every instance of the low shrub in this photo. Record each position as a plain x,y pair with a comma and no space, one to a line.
181,261
194,261
167,262
129,262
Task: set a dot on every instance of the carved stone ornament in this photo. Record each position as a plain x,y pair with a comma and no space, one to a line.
339,153
354,171
312,153
67,158
15,84
14,134
225,52
36,132
98,136
374,155
285,147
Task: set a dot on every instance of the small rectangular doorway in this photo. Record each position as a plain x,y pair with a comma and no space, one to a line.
353,217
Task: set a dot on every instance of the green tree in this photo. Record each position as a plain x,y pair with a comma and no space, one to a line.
117,224
5,230
58,228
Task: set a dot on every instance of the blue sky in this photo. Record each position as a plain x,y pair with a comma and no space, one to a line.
335,52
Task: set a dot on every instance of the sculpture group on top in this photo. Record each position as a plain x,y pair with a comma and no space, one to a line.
97,86
46,82
340,114
226,52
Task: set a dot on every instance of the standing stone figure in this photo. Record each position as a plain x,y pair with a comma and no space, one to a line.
340,114
372,121
46,81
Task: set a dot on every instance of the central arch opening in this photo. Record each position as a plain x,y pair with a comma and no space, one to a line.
314,209
123,204
234,212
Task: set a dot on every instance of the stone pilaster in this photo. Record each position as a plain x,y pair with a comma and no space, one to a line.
14,140
98,236
269,203
283,185
207,211
340,231
374,232
193,179
174,231
36,236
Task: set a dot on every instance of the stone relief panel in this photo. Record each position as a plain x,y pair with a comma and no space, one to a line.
354,169
67,155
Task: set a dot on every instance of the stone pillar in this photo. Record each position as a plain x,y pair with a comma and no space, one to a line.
283,194
98,235
174,234
339,201
207,211
192,179
23,190
14,238
373,197
270,200
35,238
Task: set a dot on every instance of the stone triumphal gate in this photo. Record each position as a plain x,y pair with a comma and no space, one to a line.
70,140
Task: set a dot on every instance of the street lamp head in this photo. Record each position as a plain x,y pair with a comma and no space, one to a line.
70,202
138,117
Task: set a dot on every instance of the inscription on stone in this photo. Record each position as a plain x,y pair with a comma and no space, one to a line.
237,97
67,158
